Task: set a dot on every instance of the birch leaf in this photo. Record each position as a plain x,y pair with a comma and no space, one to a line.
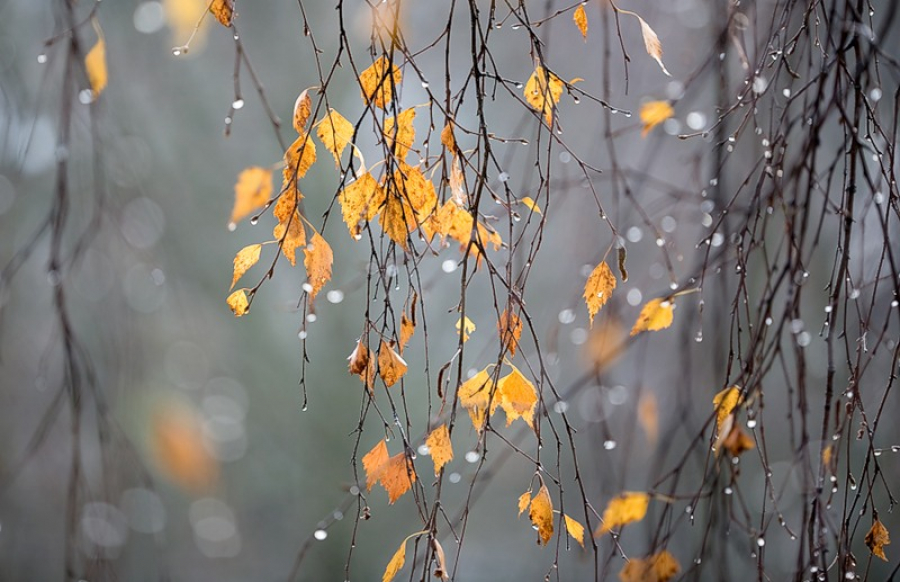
335,132
652,44
396,563
374,462
656,315
524,502
223,10
510,327
541,514
362,364
575,529
441,447
251,191
724,404
622,510
391,367
243,260
238,302
517,397
542,92
878,537
400,133
659,567
474,395
302,111
397,476
653,113
359,201
318,262
531,204
465,327
299,156
580,18
378,82
95,64
407,329
599,288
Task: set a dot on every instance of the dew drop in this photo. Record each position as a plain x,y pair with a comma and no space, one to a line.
424,84
232,227
472,457
448,266
503,177
307,287
42,59
254,220
760,541
239,104
320,534
311,318
302,334
751,423
609,444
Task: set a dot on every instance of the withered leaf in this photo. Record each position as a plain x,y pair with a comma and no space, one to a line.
659,567
653,113
724,404
238,302
302,111
391,367
223,10
542,92
575,529
878,537
361,200
374,462
474,395
251,191
95,64
580,18
510,327
335,132
517,396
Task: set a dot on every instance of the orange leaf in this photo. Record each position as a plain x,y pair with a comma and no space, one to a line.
374,462
542,92
407,329
397,476
335,132
394,220
464,327
238,302
541,514
396,563
378,82
656,315
622,510
725,402
580,18
659,567
415,190
524,502
575,529
531,204
391,366
737,441
361,200
302,111
223,10
441,447
474,395
510,327
517,397
246,258
318,262
289,231
877,538
653,113
362,365
95,64
447,138
178,449
400,134
252,191
299,156
599,288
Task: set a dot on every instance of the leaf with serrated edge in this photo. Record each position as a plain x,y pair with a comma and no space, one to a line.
243,260
598,289
440,446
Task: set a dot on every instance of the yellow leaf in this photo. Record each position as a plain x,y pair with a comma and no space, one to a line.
441,447
724,403
176,441
299,156
542,92
465,326
541,514
599,288
400,133
575,529
622,510
396,563
238,302
524,502
379,81
652,44
394,220
517,397
580,18
289,231
95,64
474,395
531,205
302,111
656,315
877,538
246,258
223,10
251,191
510,328
447,138
318,262
374,462
659,567
653,113
335,132
397,476
737,441
648,416
391,367
416,191
361,200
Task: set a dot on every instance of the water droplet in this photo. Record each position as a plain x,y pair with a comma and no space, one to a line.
302,334
561,407
760,541
85,96
311,317
503,177
254,220
335,296
609,444
660,242
874,94
751,423
448,266
42,59
239,104
455,477
424,84
232,227
472,457
877,452
728,491
307,287
424,449
320,534
699,337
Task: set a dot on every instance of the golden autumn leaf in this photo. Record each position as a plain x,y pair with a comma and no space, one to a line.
737,441
397,476
379,81
624,509
396,563
374,462
289,231
652,44
176,441
531,204
656,315
464,327
524,502
299,156
362,365
580,18
95,65
598,289
653,113
335,132
447,138
238,302
391,367
474,395
318,261
510,327
223,10
416,191
541,514
517,396
575,529
361,200
878,537
243,260
407,329
440,446
542,92
302,111
251,191
724,404
400,133
648,416
395,218
659,567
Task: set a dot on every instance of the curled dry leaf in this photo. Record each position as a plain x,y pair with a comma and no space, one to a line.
738,442
599,288
580,18
302,110
652,44
659,567
238,302
251,191
440,446
622,510
447,138
391,367
653,113
335,132
396,563
440,570
95,64
541,514
524,502
243,260
318,262
379,81
878,537
656,315
223,10
407,329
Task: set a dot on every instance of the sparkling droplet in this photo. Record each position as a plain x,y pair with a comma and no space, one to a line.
566,316
307,287
760,541
302,334
42,59
335,296
239,104
311,317
751,423
254,220
320,534
609,444
503,177
472,457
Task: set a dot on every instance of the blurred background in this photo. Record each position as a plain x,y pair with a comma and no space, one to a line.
194,457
